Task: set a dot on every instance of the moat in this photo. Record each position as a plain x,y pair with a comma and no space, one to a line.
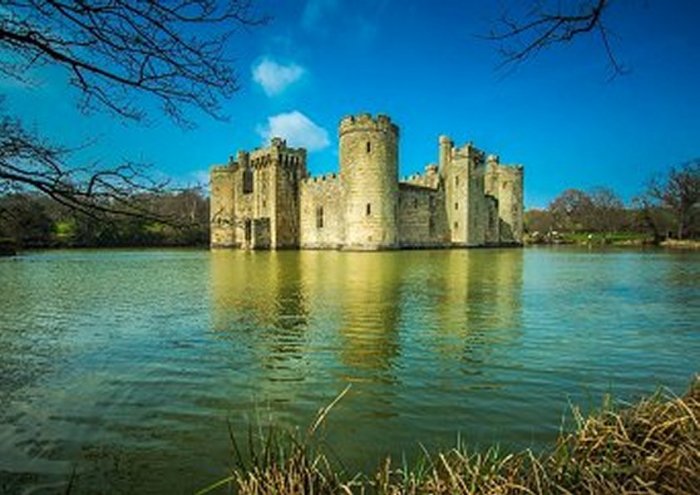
126,364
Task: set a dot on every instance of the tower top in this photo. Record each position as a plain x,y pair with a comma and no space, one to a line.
365,122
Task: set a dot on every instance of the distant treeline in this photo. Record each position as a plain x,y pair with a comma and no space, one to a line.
668,208
32,220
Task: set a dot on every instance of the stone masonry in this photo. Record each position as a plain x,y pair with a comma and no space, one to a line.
265,199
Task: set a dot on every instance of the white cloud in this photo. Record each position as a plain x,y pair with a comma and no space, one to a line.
297,129
275,78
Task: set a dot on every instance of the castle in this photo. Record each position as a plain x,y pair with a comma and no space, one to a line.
265,199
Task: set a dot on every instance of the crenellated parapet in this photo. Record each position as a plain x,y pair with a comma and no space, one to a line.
430,178
321,179
468,151
218,170
365,122
278,153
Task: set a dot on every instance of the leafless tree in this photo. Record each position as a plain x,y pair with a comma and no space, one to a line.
572,211
122,56
679,193
608,210
542,26
27,161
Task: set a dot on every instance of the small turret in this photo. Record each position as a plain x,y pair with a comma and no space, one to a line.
444,154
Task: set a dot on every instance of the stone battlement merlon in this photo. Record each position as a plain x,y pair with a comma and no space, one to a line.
515,170
222,169
428,179
277,152
414,186
365,122
469,150
331,176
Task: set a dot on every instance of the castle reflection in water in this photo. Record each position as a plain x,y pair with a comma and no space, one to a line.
362,314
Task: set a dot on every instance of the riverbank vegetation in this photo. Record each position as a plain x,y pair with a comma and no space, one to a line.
669,208
32,220
650,447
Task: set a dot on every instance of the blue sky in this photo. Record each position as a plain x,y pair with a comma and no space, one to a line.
424,64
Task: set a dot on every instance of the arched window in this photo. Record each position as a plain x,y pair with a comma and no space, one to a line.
369,209
369,146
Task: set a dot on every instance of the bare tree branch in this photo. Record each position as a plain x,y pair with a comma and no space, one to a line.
522,39
122,56
116,50
26,161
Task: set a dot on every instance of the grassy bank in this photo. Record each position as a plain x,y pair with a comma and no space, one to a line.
623,239
687,244
650,447
592,238
608,238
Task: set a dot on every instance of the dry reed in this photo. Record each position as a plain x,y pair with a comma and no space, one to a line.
651,447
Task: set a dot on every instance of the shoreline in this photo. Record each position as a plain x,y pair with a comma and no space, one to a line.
611,240
649,447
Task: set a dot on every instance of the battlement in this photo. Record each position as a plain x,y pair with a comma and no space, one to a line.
365,122
429,179
221,169
321,178
470,152
276,152
511,170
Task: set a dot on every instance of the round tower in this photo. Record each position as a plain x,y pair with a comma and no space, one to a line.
369,170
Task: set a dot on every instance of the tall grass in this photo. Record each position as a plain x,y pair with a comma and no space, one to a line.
651,447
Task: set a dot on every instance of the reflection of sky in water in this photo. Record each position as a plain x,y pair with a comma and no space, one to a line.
128,363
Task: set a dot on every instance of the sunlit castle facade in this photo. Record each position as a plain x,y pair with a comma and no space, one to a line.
265,198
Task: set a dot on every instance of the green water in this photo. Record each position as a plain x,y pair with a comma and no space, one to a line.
126,365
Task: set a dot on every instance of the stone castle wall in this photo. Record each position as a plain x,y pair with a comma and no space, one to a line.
221,207
421,220
264,199
322,212
505,183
